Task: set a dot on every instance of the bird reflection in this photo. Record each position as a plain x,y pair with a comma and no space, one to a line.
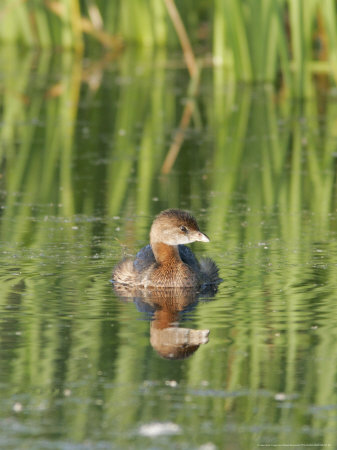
168,339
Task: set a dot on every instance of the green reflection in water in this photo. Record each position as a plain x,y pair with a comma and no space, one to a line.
82,144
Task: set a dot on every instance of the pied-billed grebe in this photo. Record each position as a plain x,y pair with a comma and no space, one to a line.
166,262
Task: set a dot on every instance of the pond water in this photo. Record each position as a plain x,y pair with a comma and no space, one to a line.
83,143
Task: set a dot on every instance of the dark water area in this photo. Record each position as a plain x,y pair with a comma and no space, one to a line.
83,142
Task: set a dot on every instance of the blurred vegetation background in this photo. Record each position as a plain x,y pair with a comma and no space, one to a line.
276,40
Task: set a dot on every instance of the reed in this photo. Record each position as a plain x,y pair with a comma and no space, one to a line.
257,41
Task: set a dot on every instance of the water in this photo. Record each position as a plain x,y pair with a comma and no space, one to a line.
82,145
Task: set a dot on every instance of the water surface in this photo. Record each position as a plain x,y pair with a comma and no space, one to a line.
82,146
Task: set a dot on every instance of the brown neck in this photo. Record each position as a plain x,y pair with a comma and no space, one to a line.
165,254
164,318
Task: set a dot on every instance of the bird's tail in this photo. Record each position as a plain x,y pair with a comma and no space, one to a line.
210,271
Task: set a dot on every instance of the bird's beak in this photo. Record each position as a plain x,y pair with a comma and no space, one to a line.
202,237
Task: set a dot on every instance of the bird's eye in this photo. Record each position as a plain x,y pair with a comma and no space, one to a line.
184,229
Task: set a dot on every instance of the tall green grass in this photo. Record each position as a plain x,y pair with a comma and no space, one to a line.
267,40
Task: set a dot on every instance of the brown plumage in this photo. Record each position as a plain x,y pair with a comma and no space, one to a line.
166,262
